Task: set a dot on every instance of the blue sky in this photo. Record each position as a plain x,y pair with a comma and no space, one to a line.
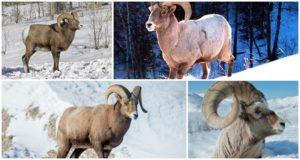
271,89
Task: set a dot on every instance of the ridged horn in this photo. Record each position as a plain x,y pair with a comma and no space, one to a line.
119,90
186,7
62,16
211,100
75,15
137,92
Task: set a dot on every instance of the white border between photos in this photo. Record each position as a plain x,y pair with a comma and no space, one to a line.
297,67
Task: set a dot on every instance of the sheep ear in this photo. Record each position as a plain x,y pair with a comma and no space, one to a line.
171,9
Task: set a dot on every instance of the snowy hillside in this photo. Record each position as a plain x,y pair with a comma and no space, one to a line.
282,69
81,60
159,133
283,145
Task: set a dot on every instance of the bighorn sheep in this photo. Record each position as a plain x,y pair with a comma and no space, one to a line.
249,122
190,42
55,38
101,127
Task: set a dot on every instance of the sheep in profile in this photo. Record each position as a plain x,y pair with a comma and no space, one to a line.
249,122
190,42
101,127
55,38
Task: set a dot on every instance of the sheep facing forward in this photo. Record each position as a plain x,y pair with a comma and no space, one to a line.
190,42
101,127
248,123
55,38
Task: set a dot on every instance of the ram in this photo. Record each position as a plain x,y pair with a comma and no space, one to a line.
248,123
100,127
55,38
190,42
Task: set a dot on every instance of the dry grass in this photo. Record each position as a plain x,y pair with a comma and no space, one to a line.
33,113
50,127
6,139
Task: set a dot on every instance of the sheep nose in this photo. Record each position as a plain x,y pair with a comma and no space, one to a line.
148,24
282,124
135,116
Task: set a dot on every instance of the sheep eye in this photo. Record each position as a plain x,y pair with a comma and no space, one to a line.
163,12
257,111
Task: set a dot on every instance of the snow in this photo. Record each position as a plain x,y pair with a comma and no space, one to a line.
282,69
284,145
81,60
155,134
100,68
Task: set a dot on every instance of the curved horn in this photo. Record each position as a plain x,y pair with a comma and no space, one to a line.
62,16
151,6
211,100
75,15
186,7
118,89
137,92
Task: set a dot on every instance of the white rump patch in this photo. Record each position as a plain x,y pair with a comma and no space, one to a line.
57,123
25,33
42,49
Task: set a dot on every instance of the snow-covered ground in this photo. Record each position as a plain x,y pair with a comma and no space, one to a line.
202,138
81,60
282,69
33,107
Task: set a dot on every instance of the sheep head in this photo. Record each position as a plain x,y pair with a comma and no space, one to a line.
159,17
128,100
69,20
249,104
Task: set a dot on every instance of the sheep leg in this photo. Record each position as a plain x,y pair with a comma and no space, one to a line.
106,153
64,145
172,72
98,149
206,70
26,57
63,150
77,152
230,66
56,56
182,71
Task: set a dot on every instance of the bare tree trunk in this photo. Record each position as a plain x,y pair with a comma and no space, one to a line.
70,6
227,10
17,13
251,35
43,10
51,10
257,47
227,17
275,45
129,38
39,9
268,28
236,27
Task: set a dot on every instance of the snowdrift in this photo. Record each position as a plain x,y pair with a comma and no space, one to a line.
281,69
33,108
